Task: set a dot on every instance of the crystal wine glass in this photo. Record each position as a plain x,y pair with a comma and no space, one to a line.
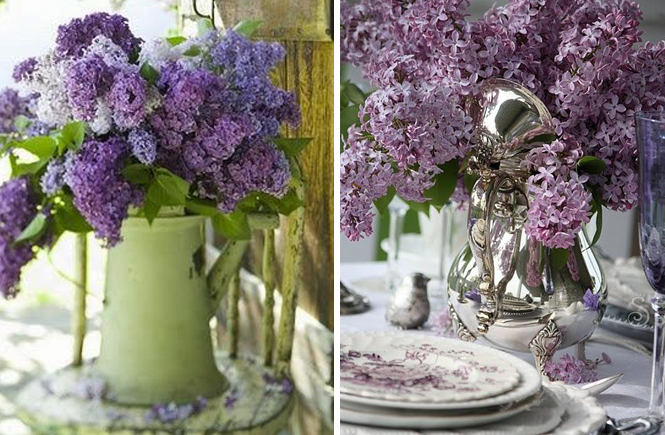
650,129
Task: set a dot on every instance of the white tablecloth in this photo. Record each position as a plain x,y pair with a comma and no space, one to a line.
628,398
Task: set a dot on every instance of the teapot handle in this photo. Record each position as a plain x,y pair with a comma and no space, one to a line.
494,194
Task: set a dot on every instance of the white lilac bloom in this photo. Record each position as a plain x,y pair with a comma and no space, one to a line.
52,106
111,53
103,120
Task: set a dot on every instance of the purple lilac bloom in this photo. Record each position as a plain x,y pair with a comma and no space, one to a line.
92,389
77,35
88,79
210,137
287,386
260,167
231,399
18,207
581,58
37,128
247,65
11,106
591,301
572,370
143,145
128,98
473,295
24,69
170,412
101,193
53,179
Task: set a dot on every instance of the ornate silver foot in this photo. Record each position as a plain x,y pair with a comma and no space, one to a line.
545,344
462,331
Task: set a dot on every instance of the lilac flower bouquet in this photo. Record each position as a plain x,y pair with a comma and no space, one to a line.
107,125
426,58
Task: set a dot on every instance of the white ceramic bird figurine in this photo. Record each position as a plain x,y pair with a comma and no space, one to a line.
409,306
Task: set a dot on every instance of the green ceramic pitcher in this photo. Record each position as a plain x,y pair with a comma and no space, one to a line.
156,344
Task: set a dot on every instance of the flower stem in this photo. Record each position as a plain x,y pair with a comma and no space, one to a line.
80,291
268,336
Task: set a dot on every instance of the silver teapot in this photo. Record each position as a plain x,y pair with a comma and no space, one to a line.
502,285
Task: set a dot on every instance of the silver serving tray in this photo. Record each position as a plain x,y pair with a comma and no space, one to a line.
620,321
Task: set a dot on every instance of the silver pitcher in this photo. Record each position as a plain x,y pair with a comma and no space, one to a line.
503,286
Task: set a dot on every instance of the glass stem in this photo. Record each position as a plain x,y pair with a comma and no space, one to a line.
394,240
657,373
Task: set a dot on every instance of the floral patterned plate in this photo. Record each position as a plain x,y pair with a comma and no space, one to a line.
529,385
422,369
573,412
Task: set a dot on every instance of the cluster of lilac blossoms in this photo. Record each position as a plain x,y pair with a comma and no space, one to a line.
18,207
426,58
216,115
203,110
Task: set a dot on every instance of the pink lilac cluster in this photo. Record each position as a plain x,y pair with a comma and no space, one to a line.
560,202
101,193
571,370
18,207
426,58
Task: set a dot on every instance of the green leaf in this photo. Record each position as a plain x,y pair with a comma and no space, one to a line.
69,218
202,207
138,173
41,146
543,138
420,207
194,50
150,210
167,189
444,184
176,40
343,99
354,94
34,229
233,225
292,146
248,28
468,254
71,136
203,26
591,165
348,117
149,73
597,208
21,122
558,258
470,181
382,203
288,203
20,169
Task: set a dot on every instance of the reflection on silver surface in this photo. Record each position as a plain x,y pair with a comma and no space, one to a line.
528,301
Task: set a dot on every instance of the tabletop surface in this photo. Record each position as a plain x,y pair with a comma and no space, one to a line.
628,398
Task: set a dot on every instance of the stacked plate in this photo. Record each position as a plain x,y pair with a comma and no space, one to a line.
423,382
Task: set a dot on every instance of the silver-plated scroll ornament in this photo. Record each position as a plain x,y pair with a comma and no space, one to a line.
503,285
